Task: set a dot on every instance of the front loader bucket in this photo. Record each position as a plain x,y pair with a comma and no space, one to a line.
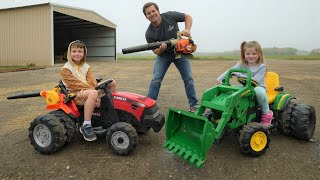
188,135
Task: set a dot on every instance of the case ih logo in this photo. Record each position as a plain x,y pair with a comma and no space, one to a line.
119,98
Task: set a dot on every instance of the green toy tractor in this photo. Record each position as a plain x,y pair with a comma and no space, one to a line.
226,107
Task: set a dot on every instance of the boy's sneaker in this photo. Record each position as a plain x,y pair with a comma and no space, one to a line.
87,132
266,118
99,130
193,109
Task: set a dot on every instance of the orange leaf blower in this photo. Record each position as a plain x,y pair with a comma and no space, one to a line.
183,46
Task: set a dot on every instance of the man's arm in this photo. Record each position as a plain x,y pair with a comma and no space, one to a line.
186,32
187,26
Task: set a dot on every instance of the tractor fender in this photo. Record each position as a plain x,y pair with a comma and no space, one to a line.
282,100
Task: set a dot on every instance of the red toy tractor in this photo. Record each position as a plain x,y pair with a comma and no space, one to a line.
119,118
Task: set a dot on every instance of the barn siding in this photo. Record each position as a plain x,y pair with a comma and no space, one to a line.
25,36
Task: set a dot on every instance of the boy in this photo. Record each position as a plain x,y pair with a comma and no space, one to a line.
78,78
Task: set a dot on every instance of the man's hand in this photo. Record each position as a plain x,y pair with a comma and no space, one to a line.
186,33
161,49
187,26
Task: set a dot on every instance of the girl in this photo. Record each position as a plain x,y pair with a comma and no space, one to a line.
252,59
76,75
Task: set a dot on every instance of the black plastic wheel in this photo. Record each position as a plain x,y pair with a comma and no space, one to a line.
254,139
47,134
68,123
122,138
303,121
284,119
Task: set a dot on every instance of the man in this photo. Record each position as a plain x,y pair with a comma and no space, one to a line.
164,27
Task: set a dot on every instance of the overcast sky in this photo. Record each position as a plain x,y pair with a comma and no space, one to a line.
218,25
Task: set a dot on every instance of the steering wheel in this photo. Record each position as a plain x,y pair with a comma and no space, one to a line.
243,81
104,84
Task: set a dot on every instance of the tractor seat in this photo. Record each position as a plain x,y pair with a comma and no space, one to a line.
273,86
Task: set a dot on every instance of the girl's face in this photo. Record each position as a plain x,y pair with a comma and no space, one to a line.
251,55
77,54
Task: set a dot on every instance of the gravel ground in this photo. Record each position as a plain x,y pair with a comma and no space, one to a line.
287,157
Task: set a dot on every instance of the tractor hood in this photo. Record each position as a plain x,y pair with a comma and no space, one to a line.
133,98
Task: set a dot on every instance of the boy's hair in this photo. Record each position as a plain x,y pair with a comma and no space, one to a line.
78,44
251,44
148,4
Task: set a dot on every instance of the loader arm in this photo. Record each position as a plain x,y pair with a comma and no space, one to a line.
191,135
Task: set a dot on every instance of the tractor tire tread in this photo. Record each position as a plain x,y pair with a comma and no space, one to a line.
57,133
69,125
285,118
130,132
245,137
303,122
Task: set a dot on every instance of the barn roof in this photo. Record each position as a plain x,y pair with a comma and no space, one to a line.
82,13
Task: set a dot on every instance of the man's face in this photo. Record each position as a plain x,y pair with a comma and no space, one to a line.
152,14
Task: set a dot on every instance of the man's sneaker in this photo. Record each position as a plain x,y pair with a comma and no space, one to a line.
87,132
266,118
193,109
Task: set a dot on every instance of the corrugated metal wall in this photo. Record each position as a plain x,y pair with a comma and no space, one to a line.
100,42
86,15
25,36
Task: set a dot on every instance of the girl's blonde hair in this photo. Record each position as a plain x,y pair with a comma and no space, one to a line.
251,44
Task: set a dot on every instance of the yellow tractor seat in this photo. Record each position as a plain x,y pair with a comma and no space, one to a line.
273,86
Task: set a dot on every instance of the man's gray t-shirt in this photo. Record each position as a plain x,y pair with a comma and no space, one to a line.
167,29
258,73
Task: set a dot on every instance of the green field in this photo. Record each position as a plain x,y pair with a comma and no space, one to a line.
209,57
152,57
19,68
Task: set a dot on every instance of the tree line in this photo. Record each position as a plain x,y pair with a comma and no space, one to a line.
289,51
275,51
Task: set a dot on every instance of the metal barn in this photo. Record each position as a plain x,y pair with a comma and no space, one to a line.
39,34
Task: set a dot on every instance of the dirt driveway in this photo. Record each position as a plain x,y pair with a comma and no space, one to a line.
287,157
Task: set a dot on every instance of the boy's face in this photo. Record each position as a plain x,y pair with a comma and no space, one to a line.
77,54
